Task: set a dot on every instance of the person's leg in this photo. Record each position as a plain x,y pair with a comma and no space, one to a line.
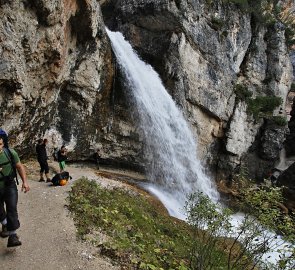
62,166
11,199
42,169
4,233
2,208
46,169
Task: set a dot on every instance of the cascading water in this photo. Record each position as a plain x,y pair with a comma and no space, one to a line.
170,149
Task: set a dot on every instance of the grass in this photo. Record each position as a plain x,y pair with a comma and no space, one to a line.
140,236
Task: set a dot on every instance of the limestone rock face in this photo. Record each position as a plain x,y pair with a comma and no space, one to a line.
242,131
58,77
202,51
56,74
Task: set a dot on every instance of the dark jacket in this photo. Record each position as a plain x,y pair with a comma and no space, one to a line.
41,152
61,157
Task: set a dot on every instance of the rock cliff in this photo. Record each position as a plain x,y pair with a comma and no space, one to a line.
59,79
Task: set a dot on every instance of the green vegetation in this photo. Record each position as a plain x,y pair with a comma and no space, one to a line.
242,92
263,105
265,204
250,241
279,120
292,87
140,236
216,23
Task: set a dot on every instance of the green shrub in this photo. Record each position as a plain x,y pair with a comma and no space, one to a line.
263,104
249,241
139,236
216,23
279,120
242,92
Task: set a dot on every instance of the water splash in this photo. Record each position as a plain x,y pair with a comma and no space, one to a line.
170,149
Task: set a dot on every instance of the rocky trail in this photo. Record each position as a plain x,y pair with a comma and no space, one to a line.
47,232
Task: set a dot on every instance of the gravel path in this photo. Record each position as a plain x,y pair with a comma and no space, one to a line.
47,231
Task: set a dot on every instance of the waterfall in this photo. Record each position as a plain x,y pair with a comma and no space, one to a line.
170,150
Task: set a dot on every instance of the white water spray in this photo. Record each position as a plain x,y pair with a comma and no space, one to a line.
170,149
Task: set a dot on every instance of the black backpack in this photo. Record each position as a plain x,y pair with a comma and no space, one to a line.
8,154
56,180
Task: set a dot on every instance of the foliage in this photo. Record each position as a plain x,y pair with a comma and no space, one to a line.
242,92
251,240
263,105
139,236
292,87
265,203
208,225
279,120
217,23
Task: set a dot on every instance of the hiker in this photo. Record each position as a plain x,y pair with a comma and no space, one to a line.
97,157
42,159
9,164
62,157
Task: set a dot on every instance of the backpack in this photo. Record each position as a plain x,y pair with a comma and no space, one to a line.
61,179
8,153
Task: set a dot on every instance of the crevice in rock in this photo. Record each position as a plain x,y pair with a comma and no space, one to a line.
290,139
81,26
68,104
42,12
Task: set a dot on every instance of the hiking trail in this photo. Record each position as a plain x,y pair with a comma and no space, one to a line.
47,231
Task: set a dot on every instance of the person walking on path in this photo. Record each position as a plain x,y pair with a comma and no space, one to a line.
42,159
61,158
9,164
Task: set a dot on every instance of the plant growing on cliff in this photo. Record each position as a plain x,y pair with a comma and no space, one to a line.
263,105
242,92
279,120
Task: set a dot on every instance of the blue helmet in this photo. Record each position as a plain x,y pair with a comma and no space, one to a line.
4,137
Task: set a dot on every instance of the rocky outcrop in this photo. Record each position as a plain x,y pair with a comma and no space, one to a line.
202,51
58,77
290,140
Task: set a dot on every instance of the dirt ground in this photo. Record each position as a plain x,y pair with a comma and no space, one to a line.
47,231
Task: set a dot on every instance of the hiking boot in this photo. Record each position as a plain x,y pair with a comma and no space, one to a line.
13,241
48,180
4,232
41,180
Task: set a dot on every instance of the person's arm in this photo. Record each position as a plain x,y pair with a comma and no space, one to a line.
22,172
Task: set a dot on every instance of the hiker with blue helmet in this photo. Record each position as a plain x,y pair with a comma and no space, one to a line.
9,164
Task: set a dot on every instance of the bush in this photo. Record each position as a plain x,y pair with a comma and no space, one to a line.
263,104
279,120
245,244
242,92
